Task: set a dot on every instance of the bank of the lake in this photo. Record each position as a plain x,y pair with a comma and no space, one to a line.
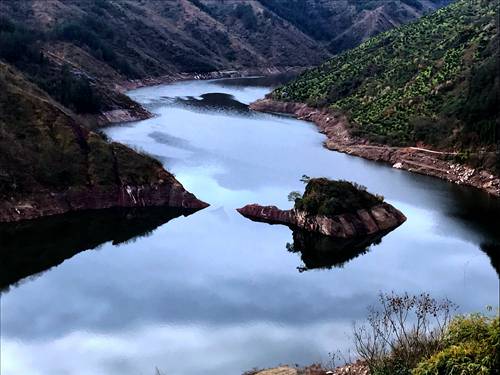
418,160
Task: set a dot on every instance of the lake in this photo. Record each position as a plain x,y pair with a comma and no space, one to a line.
215,293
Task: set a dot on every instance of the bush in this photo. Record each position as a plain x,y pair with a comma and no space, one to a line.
401,333
472,348
415,335
464,359
329,198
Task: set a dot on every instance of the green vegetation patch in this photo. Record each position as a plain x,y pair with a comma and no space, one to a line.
44,147
327,197
472,347
418,335
435,80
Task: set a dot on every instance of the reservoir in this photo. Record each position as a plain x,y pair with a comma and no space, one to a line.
212,292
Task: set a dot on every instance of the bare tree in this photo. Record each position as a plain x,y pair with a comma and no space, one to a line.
404,330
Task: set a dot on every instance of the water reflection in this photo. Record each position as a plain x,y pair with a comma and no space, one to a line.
493,252
179,298
322,252
213,102
30,247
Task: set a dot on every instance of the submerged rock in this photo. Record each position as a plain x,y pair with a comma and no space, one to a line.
333,208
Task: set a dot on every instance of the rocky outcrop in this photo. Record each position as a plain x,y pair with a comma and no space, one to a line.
414,159
169,194
122,115
365,222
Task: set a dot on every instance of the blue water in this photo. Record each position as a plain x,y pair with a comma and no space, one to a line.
214,293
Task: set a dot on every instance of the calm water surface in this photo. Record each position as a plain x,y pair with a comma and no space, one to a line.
212,292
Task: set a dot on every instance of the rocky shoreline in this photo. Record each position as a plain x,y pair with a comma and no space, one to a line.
413,159
168,193
378,219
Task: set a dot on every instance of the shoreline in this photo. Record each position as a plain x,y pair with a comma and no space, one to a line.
217,74
115,116
412,159
168,192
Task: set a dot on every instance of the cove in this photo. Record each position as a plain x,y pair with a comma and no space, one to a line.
213,292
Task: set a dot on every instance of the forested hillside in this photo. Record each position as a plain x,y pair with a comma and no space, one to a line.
50,163
82,49
344,24
433,82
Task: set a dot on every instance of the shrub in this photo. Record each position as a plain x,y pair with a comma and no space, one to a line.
472,348
329,198
464,359
293,196
401,333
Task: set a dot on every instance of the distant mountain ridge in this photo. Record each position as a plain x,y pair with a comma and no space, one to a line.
344,24
104,42
161,37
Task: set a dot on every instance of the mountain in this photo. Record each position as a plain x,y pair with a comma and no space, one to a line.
102,43
50,163
432,83
132,38
344,24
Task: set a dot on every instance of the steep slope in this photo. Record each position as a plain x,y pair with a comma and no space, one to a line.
344,24
434,83
136,39
50,164
100,43
61,65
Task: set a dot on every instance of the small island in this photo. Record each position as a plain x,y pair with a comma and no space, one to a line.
338,209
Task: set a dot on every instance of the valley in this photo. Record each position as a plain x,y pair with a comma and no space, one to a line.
145,147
